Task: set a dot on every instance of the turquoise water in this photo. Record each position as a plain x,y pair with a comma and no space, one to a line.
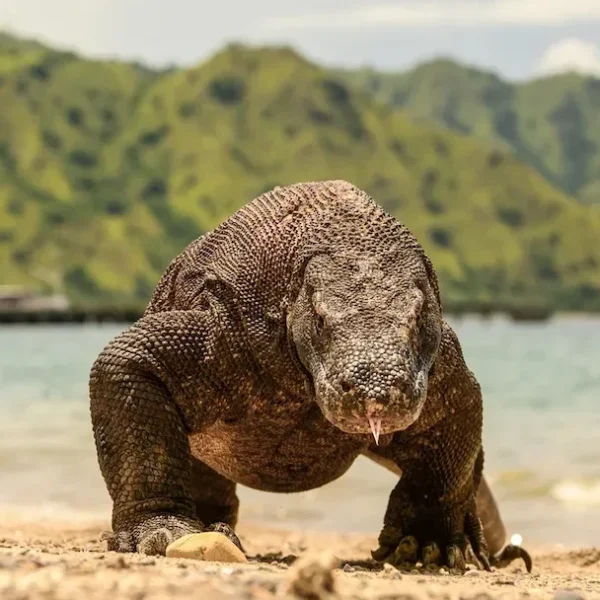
541,386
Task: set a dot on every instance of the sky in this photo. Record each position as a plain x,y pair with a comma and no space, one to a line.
517,39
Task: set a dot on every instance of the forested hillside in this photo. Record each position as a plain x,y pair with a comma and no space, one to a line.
552,123
108,169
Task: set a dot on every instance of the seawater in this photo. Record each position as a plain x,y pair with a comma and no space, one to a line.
541,386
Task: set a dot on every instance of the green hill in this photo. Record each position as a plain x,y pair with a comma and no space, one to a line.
107,170
553,123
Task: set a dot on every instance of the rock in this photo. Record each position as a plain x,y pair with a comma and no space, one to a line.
210,546
391,571
117,562
312,577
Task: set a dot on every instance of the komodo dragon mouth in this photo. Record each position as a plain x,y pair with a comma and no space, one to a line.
370,407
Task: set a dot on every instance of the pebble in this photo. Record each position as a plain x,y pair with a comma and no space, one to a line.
472,573
391,571
117,563
312,577
209,546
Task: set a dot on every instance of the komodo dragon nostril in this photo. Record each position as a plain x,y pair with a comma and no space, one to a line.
346,386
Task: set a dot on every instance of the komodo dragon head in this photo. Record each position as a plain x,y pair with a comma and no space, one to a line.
366,328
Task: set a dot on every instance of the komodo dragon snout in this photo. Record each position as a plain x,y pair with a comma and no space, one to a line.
367,332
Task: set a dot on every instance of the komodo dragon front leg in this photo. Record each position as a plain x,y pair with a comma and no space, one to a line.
433,514
494,531
149,388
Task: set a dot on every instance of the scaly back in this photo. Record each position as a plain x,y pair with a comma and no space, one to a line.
259,252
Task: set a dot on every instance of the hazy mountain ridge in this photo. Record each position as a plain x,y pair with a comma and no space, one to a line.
552,123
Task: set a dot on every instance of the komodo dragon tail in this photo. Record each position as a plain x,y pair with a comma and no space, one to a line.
495,532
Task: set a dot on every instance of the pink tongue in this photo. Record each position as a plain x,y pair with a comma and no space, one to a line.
375,425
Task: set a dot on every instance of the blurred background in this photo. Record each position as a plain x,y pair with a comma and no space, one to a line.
129,128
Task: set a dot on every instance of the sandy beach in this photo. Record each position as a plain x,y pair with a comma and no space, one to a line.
54,503
61,562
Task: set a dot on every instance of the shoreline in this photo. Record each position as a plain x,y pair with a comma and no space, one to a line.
61,561
128,315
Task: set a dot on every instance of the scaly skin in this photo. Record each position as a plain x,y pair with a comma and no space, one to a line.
271,348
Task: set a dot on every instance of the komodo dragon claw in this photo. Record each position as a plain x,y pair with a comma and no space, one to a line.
510,553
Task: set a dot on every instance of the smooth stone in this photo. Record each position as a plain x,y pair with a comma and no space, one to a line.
210,546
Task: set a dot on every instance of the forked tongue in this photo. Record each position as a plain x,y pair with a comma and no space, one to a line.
375,425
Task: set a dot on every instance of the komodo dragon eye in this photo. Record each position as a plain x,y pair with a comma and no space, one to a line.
319,319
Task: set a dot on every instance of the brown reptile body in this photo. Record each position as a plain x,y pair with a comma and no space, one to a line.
272,347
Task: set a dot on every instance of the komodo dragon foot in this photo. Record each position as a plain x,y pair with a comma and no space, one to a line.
153,535
450,537
407,554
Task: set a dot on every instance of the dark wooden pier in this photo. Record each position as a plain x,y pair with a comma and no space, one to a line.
129,314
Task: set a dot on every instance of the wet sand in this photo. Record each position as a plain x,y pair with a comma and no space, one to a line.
65,562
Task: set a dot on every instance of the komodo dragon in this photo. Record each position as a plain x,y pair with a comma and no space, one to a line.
304,331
